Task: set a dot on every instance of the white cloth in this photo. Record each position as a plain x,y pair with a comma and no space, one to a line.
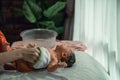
44,59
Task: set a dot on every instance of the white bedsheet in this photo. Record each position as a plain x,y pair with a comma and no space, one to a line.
85,68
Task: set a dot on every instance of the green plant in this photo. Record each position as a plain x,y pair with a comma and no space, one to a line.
44,15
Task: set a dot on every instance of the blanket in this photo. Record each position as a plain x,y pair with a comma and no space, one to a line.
85,68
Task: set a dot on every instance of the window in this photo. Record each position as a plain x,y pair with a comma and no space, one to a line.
97,24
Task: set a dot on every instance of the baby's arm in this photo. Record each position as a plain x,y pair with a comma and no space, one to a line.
54,64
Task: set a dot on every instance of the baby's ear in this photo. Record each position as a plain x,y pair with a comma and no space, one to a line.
64,54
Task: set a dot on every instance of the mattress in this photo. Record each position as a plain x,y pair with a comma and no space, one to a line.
85,68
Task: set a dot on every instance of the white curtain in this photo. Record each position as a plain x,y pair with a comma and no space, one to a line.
97,23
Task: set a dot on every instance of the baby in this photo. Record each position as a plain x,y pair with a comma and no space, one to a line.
61,56
53,59
48,58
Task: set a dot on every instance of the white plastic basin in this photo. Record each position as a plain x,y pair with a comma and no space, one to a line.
39,37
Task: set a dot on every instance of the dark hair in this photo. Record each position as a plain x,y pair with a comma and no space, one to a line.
70,60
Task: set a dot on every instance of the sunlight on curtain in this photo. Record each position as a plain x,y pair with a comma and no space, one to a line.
118,36
96,24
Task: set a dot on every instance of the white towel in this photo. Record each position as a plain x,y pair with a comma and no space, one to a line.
44,59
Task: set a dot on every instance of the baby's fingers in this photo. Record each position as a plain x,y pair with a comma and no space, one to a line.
62,64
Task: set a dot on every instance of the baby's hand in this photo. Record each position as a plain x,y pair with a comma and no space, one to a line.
62,64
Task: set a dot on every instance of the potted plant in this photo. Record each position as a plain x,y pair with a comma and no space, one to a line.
42,14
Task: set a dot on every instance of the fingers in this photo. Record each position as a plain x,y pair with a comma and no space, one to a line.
35,52
30,54
30,45
62,64
32,59
17,45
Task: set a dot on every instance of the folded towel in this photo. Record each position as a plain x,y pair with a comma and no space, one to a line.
43,60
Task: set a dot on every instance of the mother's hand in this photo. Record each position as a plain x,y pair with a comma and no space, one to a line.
29,54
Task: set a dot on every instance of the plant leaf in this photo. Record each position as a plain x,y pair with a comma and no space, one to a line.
28,13
31,11
48,24
53,10
35,8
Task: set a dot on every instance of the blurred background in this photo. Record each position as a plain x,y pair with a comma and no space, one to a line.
13,19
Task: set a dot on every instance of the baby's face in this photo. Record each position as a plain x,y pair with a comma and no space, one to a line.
69,59
64,51
64,57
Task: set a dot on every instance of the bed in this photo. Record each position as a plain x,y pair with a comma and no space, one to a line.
85,68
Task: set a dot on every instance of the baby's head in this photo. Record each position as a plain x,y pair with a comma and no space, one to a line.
67,55
69,59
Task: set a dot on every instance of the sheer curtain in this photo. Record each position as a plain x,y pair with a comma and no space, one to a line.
97,24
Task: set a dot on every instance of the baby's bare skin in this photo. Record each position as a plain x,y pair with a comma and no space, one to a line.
61,51
55,58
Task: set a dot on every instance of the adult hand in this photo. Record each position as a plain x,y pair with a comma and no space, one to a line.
18,45
29,54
